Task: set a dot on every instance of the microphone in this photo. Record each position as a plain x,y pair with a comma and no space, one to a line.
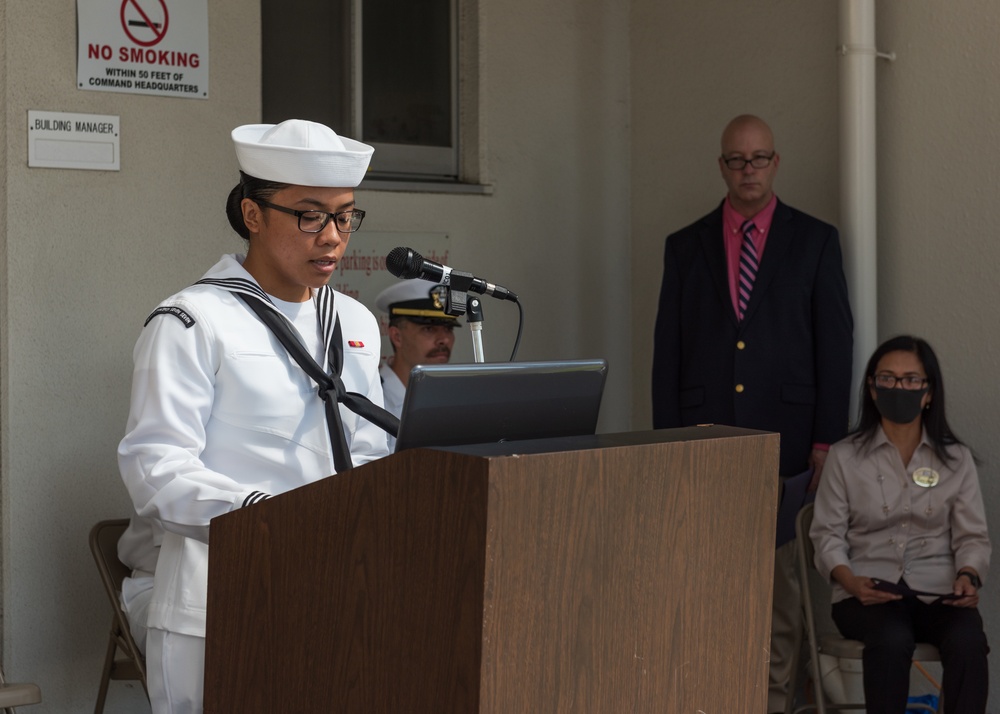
407,264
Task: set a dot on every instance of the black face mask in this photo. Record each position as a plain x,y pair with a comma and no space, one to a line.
900,406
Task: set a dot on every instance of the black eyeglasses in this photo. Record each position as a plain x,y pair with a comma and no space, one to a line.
316,221
889,381
738,163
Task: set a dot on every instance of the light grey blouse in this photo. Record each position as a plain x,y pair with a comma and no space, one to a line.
872,515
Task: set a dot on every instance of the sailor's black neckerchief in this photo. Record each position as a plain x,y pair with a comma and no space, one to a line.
331,386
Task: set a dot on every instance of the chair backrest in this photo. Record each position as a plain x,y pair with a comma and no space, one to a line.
805,551
811,597
829,641
104,538
814,591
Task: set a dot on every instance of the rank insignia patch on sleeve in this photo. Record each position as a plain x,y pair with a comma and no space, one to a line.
175,311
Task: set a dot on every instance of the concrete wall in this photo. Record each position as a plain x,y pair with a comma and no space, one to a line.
939,145
86,255
694,65
600,133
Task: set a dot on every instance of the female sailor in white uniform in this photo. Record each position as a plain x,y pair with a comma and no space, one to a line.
221,415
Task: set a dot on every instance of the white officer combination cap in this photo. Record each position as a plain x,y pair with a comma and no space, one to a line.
420,301
300,152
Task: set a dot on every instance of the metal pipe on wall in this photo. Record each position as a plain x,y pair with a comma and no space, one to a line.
857,176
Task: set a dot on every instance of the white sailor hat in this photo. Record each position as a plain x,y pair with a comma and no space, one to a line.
301,152
420,301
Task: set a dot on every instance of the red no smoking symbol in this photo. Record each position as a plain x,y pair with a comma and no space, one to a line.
145,21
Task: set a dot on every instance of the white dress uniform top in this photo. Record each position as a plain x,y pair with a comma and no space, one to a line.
220,417
394,393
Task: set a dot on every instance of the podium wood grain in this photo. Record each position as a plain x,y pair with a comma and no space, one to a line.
628,574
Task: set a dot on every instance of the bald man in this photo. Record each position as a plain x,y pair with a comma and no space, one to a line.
754,330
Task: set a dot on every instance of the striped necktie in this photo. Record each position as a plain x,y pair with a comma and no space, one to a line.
749,263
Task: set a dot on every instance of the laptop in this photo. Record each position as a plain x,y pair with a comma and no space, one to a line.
459,404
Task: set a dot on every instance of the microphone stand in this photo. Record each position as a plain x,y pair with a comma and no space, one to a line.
460,302
474,309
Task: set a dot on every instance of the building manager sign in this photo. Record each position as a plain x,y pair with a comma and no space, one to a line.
143,47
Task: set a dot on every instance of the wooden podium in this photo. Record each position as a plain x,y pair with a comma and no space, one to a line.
613,573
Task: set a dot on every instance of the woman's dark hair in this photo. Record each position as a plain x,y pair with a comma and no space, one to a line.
252,188
934,421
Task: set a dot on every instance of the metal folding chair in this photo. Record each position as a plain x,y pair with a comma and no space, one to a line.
132,665
830,644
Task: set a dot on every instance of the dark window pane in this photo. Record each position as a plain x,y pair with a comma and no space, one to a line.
304,54
406,69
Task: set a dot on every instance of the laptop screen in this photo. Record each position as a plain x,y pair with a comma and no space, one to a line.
457,404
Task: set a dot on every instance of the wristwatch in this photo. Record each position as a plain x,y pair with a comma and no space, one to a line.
973,578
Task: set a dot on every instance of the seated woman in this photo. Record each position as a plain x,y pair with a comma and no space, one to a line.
899,523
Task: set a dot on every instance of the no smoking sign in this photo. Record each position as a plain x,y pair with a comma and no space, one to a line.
143,47
145,21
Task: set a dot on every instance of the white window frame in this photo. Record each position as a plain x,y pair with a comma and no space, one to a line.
459,168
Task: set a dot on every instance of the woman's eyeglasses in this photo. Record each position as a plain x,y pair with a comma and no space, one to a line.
316,221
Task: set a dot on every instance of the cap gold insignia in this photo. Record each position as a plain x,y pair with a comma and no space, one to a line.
437,294
926,477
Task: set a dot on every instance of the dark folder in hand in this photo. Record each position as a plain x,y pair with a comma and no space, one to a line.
905,590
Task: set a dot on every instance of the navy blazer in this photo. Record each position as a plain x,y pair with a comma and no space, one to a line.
787,366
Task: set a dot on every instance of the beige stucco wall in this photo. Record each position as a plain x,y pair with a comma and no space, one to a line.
939,143
600,131
694,65
88,254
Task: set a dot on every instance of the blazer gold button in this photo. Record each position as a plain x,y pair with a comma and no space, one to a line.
740,345
739,388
